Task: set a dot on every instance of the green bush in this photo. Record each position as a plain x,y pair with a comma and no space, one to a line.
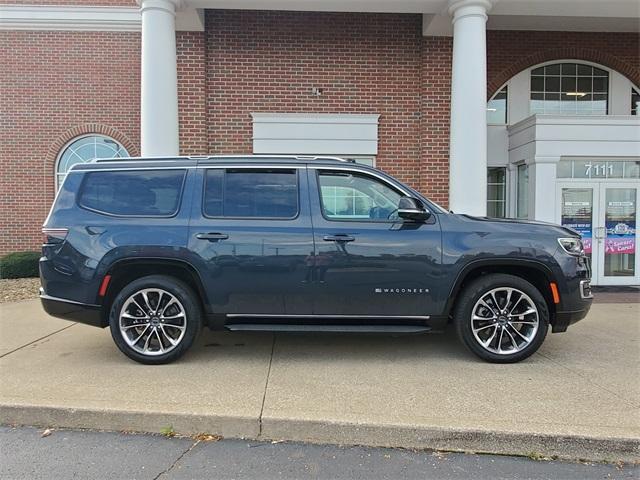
19,265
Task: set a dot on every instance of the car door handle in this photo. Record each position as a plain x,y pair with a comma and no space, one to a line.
212,237
341,237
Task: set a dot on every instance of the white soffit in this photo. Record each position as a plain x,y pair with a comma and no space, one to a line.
87,18
315,133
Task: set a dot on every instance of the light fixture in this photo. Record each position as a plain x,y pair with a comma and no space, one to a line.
575,94
492,109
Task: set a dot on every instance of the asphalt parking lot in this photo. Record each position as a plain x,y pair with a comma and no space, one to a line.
578,397
87,454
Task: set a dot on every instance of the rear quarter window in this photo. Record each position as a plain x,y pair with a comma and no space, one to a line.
133,193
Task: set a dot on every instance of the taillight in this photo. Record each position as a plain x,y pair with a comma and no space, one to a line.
51,236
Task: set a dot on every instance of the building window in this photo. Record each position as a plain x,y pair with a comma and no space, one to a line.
496,192
569,89
497,108
635,102
522,203
85,149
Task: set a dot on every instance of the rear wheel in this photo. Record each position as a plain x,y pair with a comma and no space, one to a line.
155,319
501,318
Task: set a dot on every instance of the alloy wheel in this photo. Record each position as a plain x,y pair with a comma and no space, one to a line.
152,321
504,320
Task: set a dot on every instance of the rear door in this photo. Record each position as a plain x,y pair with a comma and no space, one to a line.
251,234
367,261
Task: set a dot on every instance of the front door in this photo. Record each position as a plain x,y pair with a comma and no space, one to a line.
368,262
605,214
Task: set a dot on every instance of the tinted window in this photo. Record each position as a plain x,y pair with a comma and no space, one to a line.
140,193
251,193
347,196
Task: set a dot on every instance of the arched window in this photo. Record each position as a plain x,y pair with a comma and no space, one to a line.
84,149
569,89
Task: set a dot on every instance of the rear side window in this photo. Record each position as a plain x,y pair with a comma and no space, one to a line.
144,193
246,193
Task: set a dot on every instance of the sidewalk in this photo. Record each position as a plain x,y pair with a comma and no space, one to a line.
578,397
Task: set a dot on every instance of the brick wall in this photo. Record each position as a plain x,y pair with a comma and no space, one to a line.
435,116
57,85
190,48
269,62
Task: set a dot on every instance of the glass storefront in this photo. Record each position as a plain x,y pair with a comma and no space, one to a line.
604,210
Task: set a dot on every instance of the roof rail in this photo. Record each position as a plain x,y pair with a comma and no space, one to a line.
222,157
323,157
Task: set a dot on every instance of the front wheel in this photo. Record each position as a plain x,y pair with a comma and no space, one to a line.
155,319
501,318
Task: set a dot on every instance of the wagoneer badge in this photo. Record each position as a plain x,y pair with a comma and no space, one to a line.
402,290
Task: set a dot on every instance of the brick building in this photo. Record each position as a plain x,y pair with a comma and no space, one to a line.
516,108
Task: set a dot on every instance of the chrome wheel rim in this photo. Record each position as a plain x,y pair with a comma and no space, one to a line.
504,320
152,321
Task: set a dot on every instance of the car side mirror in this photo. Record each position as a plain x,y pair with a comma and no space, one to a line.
411,209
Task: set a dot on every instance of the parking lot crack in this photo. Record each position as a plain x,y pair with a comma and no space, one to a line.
37,340
175,462
266,386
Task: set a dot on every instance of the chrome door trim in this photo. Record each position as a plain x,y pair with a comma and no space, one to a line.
272,315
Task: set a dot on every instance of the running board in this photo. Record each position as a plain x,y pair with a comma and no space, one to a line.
282,327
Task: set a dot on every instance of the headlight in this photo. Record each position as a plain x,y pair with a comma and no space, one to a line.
573,246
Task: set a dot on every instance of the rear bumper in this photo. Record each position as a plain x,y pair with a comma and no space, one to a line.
74,311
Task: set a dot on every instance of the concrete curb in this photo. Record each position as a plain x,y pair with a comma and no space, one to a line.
287,429
455,439
129,421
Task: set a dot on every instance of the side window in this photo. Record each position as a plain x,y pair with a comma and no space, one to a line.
352,196
247,193
146,193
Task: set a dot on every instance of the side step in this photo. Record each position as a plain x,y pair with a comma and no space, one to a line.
282,327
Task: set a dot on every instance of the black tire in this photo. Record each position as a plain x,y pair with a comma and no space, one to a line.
479,288
191,313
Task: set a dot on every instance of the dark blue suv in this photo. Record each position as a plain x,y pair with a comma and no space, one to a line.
158,248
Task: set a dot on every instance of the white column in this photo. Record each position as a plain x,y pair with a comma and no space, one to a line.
159,79
468,140
542,189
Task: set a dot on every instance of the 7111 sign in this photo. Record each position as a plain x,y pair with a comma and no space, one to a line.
598,169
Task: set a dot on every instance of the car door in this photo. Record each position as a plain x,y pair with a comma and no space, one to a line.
251,233
367,261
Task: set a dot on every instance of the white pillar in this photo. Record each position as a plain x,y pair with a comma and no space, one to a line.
542,189
468,140
159,79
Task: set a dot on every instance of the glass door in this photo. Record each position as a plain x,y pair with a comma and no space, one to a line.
618,262
578,205
605,215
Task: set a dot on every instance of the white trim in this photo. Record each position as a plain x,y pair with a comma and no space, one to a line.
315,133
88,18
75,18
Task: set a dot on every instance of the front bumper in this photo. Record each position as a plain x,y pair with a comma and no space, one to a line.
74,311
574,308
